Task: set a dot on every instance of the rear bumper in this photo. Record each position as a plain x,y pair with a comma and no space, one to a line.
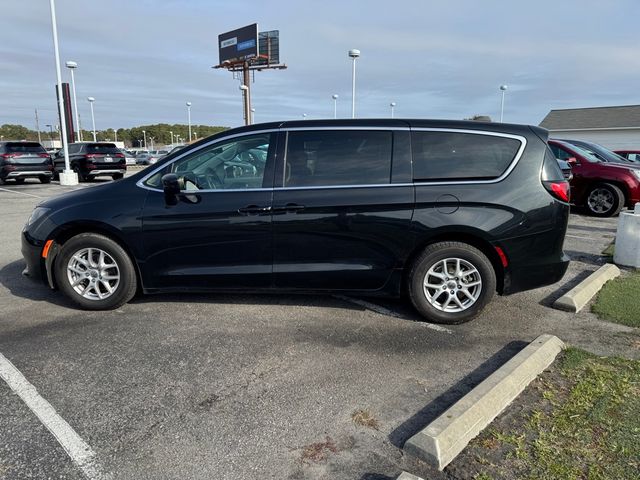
26,174
519,279
111,171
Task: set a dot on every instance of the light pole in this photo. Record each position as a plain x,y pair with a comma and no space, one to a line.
152,139
353,53
171,136
93,118
503,88
67,177
392,105
72,66
189,118
335,105
253,115
304,116
144,135
195,135
50,133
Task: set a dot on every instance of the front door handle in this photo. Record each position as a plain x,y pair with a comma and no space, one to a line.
289,207
254,210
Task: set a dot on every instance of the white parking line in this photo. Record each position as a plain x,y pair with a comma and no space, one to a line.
79,451
21,193
390,313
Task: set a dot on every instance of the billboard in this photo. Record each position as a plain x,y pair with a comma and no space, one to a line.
238,45
268,48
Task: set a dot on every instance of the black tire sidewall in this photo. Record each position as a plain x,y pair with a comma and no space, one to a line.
127,286
432,255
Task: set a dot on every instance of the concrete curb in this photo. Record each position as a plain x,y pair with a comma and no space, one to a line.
408,476
575,299
444,438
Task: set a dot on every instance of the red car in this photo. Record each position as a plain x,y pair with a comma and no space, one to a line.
603,188
633,155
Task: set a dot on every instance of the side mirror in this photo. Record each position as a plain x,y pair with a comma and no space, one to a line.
171,187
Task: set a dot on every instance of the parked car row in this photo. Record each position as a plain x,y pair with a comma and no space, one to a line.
602,181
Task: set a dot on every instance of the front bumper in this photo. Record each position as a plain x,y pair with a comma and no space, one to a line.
32,253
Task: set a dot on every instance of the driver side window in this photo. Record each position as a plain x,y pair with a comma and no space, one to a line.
235,164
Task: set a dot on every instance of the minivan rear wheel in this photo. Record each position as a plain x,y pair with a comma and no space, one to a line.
451,282
605,200
95,272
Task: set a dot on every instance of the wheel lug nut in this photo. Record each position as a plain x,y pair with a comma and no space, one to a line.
452,292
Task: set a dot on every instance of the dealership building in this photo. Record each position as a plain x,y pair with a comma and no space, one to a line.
616,128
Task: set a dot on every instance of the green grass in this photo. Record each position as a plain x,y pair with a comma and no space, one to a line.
618,300
581,421
610,250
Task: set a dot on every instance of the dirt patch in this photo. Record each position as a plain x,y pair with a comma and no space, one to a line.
364,418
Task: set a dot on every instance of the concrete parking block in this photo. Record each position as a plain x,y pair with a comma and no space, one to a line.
580,295
408,476
444,438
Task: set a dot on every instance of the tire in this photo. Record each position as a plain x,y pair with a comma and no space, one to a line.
44,179
72,266
434,304
605,200
81,177
56,175
117,176
19,181
2,181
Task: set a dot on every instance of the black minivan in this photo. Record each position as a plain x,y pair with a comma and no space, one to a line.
447,211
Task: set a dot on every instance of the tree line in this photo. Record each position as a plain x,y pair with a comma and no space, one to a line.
158,134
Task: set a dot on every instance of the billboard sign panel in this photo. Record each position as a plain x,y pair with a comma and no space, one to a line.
238,45
269,48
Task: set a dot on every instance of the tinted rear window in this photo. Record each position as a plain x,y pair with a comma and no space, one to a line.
24,147
340,157
102,148
461,156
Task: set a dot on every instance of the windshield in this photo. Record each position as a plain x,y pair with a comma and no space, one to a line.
602,153
588,155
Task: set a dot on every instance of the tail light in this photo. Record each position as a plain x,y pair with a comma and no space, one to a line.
560,190
44,155
91,156
119,155
6,156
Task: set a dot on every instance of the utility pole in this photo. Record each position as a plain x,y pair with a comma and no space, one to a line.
246,93
38,127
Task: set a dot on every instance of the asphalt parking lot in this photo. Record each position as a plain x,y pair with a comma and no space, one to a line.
255,386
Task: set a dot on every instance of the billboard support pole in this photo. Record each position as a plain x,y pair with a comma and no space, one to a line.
246,93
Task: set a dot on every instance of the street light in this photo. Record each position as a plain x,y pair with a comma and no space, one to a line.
195,135
392,105
171,136
503,88
335,105
50,133
93,118
304,116
353,53
67,177
144,135
72,66
189,118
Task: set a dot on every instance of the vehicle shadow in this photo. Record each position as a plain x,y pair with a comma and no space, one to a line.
435,408
549,300
20,286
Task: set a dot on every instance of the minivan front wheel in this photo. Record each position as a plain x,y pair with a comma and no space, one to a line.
605,200
451,282
95,272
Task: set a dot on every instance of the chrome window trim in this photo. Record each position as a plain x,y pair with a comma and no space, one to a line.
505,174
140,183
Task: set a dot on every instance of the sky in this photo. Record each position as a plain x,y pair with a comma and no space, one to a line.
143,60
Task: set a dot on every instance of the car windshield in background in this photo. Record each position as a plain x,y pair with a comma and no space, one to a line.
587,154
102,148
24,147
601,152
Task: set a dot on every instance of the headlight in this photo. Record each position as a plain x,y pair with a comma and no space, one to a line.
636,172
37,213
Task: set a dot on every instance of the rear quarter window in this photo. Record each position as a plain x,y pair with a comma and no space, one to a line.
461,156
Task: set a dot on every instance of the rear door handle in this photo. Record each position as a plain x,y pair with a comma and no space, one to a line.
254,210
289,207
